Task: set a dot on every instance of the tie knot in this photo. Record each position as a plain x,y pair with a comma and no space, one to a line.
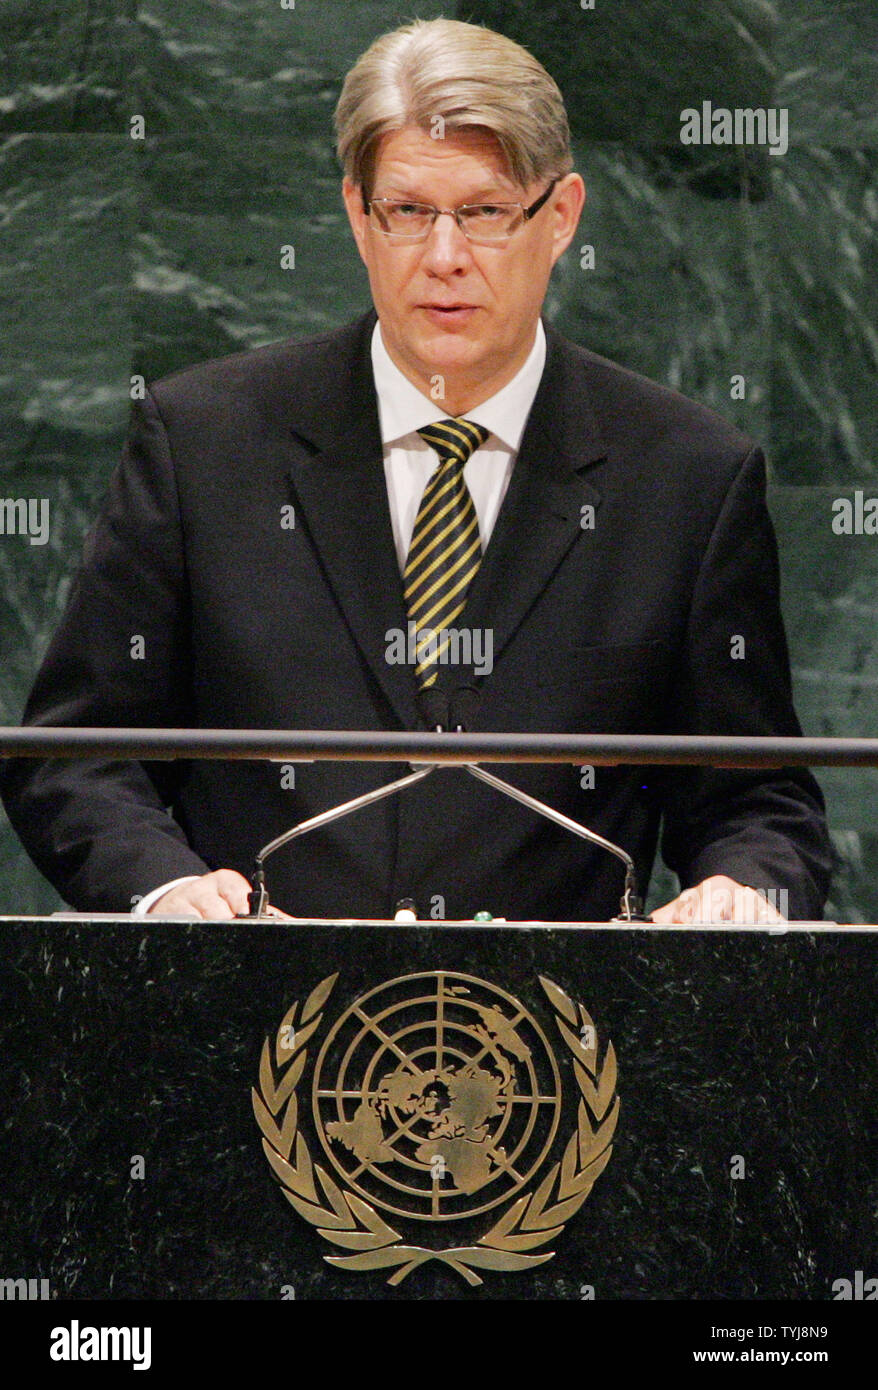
454,439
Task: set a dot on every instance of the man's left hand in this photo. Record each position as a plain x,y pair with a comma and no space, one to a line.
718,899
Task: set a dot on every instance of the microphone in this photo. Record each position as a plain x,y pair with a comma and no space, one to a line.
442,712
465,703
435,709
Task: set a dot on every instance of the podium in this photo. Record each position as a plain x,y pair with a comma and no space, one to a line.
365,1110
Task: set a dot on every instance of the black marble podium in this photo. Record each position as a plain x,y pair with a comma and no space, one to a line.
743,1162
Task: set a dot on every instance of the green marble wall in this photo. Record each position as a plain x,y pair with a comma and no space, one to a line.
122,255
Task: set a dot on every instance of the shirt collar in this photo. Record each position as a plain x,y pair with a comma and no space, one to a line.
403,409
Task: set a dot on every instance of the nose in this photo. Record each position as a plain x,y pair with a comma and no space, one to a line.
446,248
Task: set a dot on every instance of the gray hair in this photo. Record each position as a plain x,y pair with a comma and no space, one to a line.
466,75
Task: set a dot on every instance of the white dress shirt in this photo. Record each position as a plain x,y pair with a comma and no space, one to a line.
409,462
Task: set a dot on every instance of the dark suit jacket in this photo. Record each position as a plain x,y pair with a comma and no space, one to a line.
626,625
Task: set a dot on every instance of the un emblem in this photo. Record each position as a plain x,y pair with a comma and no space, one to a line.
435,1098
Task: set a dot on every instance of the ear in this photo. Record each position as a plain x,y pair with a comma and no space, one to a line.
352,194
566,209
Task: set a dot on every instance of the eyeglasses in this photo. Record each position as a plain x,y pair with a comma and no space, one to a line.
484,223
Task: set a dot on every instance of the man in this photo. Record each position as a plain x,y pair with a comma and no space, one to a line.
282,516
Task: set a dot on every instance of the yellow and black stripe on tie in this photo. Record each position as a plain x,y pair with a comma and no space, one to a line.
445,549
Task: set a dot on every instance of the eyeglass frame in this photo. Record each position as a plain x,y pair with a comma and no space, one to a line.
526,214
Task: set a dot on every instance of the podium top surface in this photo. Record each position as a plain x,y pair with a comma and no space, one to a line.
762,928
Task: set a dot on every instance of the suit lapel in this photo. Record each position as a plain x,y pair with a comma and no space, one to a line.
337,477
541,516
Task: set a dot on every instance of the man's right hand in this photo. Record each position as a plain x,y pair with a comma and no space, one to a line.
215,897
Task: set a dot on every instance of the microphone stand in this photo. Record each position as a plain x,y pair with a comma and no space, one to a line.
258,897
631,907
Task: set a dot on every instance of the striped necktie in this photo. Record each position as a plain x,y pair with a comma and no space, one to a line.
445,550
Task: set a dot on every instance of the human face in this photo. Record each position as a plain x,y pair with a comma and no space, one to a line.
450,308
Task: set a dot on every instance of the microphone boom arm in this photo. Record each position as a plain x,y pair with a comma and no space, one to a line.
259,895
631,909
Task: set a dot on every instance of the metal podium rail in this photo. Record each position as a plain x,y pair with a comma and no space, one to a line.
448,747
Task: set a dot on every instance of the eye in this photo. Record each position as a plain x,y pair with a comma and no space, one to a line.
408,209
489,210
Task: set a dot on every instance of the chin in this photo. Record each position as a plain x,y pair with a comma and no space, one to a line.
448,350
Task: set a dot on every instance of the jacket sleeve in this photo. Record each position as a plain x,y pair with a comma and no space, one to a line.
100,830
763,829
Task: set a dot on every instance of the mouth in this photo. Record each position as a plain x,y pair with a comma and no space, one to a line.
448,313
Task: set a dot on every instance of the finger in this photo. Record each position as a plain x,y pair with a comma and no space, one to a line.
672,914
200,897
690,907
234,890
211,905
173,905
716,906
758,910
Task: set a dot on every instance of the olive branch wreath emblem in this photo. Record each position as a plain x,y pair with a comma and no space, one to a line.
345,1220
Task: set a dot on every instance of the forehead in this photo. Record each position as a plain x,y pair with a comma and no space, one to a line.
468,161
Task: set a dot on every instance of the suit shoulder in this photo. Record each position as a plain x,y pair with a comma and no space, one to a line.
640,412
263,373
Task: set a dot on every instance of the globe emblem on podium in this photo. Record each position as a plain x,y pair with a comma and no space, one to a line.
436,1096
